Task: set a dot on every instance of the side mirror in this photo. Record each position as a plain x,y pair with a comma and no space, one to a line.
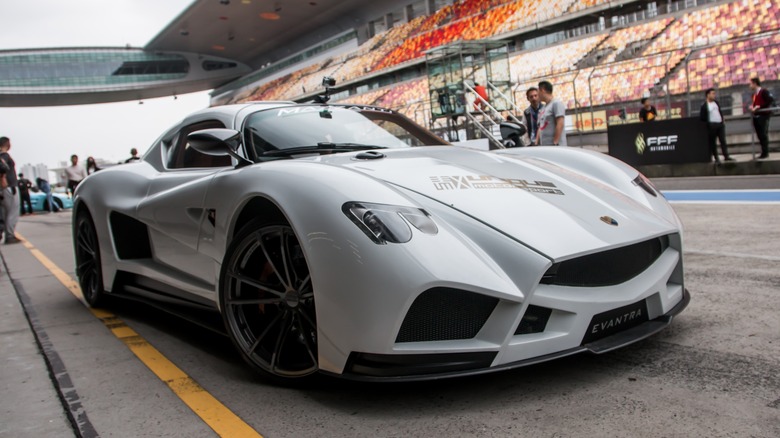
511,133
218,142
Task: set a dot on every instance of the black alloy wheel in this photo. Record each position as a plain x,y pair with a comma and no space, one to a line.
267,301
88,267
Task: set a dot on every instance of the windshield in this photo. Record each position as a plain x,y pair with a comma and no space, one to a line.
326,129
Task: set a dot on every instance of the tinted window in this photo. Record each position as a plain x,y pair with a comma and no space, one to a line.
303,126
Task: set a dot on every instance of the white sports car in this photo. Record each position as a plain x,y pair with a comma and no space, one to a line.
349,241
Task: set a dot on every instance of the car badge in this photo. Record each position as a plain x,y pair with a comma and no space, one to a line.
608,220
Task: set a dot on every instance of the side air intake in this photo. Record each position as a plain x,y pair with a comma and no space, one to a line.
131,237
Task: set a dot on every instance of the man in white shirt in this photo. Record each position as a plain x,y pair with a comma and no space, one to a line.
710,113
74,174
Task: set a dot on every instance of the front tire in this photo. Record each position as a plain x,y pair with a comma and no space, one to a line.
88,267
267,301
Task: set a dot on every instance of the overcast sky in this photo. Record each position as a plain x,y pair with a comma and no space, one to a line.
50,135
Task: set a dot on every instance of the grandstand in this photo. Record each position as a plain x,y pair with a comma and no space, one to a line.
597,53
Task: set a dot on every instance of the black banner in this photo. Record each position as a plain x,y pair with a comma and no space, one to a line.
673,141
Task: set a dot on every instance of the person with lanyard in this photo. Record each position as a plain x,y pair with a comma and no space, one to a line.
710,114
762,100
552,118
531,114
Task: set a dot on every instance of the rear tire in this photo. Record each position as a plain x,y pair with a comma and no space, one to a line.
267,301
88,267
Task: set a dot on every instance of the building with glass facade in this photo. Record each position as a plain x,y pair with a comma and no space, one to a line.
70,76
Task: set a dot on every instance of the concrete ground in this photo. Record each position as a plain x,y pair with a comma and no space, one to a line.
714,372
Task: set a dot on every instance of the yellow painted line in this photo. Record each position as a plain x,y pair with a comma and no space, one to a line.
216,415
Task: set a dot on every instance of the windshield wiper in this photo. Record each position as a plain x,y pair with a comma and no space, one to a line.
323,147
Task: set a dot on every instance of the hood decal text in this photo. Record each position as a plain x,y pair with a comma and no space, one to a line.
461,182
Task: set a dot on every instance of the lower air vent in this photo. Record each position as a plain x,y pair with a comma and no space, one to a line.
131,238
534,320
607,268
443,314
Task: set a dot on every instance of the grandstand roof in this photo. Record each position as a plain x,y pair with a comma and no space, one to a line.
238,30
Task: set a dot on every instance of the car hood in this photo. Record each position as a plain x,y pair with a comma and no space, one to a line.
557,211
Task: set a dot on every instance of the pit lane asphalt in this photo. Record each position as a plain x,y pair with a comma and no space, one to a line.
714,372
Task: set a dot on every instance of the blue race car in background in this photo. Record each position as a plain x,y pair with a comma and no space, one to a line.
39,202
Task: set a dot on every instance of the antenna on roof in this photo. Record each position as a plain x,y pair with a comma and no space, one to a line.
327,82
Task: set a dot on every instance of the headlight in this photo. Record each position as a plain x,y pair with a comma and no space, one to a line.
389,223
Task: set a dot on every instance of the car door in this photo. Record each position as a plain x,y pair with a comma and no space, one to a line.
173,206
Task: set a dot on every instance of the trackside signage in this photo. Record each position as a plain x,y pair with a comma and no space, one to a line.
674,141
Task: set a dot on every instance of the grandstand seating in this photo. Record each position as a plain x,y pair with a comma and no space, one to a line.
552,60
717,24
581,5
722,45
401,95
363,61
620,39
367,98
409,98
528,12
630,80
729,64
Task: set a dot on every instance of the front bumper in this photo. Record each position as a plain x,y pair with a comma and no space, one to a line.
415,367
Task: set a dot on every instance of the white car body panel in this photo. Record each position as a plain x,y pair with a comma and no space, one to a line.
503,217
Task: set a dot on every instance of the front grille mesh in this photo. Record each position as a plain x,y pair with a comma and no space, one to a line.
607,268
444,314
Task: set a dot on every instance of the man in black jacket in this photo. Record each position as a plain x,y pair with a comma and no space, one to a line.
24,195
710,113
10,199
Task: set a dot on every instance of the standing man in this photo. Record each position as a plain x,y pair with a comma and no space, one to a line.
710,114
552,118
648,112
531,113
24,195
133,156
761,113
10,199
74,174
